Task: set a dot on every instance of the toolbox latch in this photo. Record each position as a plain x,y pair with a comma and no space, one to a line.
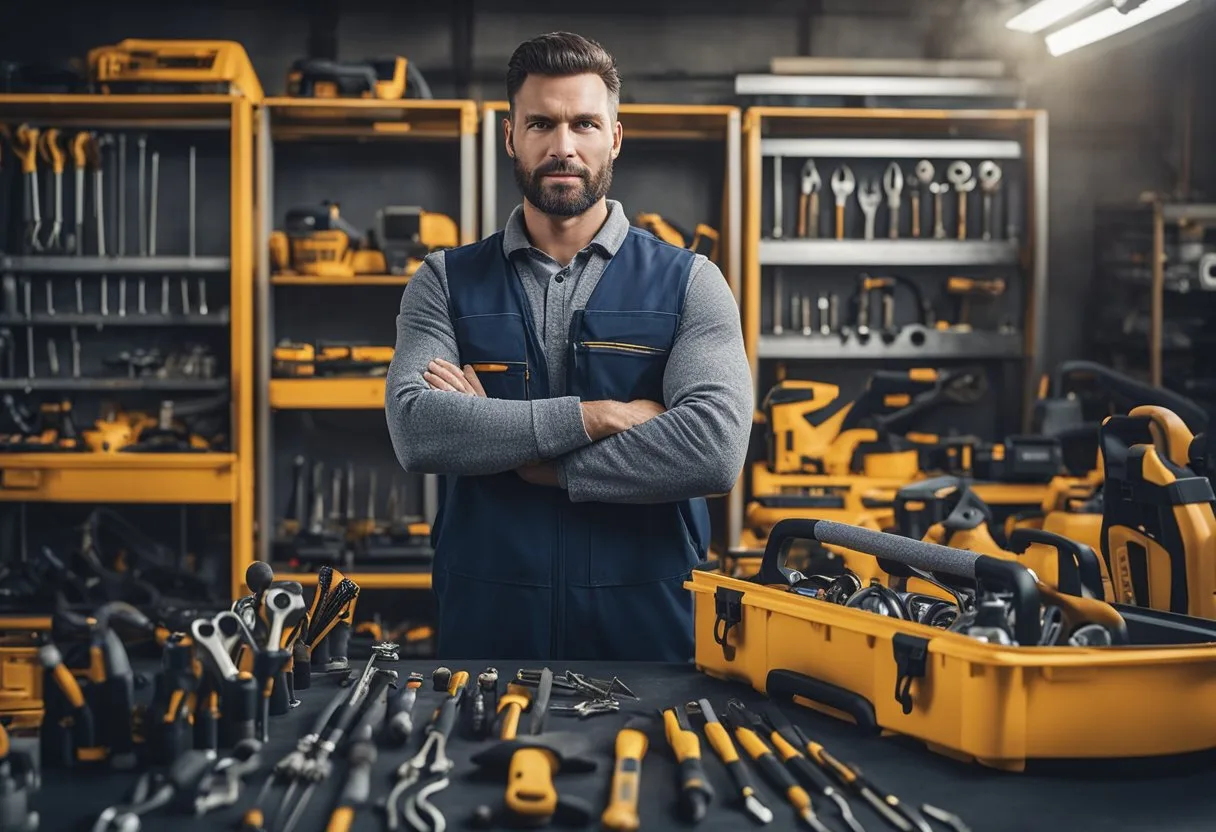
911,656
728,611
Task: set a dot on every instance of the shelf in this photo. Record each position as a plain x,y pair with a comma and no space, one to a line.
220,318
327,393
892,148
119,478
912,343
117,385
361,280
367,580
19,621
65,264
909,252
662,121
316,118
869,86
163,111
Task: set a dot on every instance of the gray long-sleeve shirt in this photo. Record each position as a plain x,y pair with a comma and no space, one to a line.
694,449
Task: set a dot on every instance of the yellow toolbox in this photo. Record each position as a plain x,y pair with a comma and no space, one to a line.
21,677
1150,693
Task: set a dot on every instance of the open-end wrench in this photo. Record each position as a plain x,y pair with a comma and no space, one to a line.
212,651
778,198
842,186
938,189
924,174
869,198
283,608
893,184
808,205
959,175
990,183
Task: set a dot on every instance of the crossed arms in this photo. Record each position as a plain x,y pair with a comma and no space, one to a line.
691,444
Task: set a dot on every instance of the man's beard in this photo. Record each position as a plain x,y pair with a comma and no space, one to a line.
563,200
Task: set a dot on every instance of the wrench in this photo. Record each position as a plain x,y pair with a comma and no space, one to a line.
284,609
924,176
52,154
990,183
893,184
778,198
207,636
842,186
959,174
938,189
869,198
808,205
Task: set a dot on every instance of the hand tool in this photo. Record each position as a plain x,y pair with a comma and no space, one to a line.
621,814
143,296
142,142
25,145
893,184
202,296
787,742
399,721
410,772
80,143
481,706
512,704
990,183
154,199
778,301
164,296
238,691
93,151
75,353
320,767
842,186
50,297
183,778
795,311
778,775
122,297
185,287
193,156
314,754
823,306
695,791
869,198
588,708
959,175
79,296
288,767
942,816
924,176
938,189
740,773
120,184
29,329
778,198
221,786
105,295
806,315
441,679
898,814
356,792
83,738
52,356
52,154
808,205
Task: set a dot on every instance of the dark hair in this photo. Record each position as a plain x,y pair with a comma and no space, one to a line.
561,54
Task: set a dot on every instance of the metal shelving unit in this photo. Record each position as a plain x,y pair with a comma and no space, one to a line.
826,256
209,477
344,123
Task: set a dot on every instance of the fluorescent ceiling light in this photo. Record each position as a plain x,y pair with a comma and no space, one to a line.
1046,13
1104,24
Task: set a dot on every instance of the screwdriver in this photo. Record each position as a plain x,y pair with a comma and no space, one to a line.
777,774
631,745
720,739
695,790
901,816
787,741
398,722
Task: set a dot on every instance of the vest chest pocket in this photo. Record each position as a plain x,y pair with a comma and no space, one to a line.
621,355
496,347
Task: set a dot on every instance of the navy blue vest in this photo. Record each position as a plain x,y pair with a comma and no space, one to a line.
521,572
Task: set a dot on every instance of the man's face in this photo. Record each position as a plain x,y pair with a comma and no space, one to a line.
563,140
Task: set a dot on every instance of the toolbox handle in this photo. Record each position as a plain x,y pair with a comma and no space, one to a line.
931,557
784,685
1078,570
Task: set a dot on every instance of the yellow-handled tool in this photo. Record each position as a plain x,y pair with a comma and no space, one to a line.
631,746
25,145
720,741
695,791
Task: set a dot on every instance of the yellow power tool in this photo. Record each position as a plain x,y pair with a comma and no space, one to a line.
195,66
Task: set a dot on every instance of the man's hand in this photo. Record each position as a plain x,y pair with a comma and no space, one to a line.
444,375
606,418
539,473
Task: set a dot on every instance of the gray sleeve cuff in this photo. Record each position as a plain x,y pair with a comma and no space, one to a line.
558,424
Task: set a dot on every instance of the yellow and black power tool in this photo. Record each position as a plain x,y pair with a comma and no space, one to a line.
303,360
384,79
165,66
406,234
703,240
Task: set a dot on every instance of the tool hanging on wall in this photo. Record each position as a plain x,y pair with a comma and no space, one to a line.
704,240
990,185
893,184
842,187
808,203
959,175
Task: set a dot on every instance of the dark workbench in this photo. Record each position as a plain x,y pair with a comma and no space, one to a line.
986,800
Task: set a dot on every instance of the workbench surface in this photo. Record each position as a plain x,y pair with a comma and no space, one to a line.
987,801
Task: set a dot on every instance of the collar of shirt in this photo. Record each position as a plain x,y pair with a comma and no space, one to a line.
607,240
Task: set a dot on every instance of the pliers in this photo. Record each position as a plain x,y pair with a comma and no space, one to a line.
808,204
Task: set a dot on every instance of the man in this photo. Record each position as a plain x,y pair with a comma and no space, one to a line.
580,385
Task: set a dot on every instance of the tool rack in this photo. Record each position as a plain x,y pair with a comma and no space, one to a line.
1156,264
662,130
218,129
868,140
300,143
